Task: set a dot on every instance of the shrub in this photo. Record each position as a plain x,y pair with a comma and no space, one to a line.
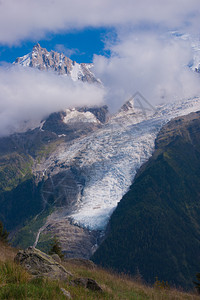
3,233
161,284
197,284
56,248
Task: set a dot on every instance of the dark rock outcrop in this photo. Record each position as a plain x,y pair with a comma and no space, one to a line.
73,130
56,257
87,283
101,113
40,264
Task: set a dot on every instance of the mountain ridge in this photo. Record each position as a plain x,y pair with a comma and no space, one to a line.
43,60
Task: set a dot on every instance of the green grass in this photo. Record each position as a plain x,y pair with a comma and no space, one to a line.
16,283
34,289
14,168
45,150
45,242
27,235
11,273
120,287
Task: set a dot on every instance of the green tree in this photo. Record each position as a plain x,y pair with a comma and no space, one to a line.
197,283
3,233
56,248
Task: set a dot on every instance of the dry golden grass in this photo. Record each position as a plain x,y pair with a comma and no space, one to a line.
16,283
7,252
122,287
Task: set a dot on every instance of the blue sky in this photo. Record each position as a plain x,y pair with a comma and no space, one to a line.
79,45
81,26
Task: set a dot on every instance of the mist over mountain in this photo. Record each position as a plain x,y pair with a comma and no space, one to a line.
29,94
161,66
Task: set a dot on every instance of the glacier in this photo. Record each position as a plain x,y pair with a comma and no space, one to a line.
108,159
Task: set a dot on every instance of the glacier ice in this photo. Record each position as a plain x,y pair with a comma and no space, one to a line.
110,157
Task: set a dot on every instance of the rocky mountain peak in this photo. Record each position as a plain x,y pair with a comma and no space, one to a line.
40,58
37,47
128,105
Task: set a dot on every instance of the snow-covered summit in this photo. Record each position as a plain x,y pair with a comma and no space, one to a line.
43,60
75,116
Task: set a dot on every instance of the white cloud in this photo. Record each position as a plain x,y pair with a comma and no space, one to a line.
140,61
66,51
153,65
26,19
29,95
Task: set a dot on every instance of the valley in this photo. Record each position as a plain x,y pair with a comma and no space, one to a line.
68,175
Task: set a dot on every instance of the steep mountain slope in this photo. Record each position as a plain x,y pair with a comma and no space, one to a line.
43,60
66,176
81,168
21,195
156,226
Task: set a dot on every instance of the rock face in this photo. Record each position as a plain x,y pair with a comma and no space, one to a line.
88,283
43,60
76,122
40,264
66,293
56,257
76,241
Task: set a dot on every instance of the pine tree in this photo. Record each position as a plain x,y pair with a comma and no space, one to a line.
197,284
3,233
56,248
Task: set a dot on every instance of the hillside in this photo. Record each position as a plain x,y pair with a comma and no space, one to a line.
155,229
16,283
65,176
21,198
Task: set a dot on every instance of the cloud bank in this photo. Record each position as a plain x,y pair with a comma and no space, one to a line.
143,59
28,19
28,94
154,65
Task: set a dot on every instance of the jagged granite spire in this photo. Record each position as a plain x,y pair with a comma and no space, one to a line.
37,47
43,60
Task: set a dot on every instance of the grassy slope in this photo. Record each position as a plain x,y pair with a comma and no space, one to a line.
14,168
16,283
20,197
156,226
26,236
